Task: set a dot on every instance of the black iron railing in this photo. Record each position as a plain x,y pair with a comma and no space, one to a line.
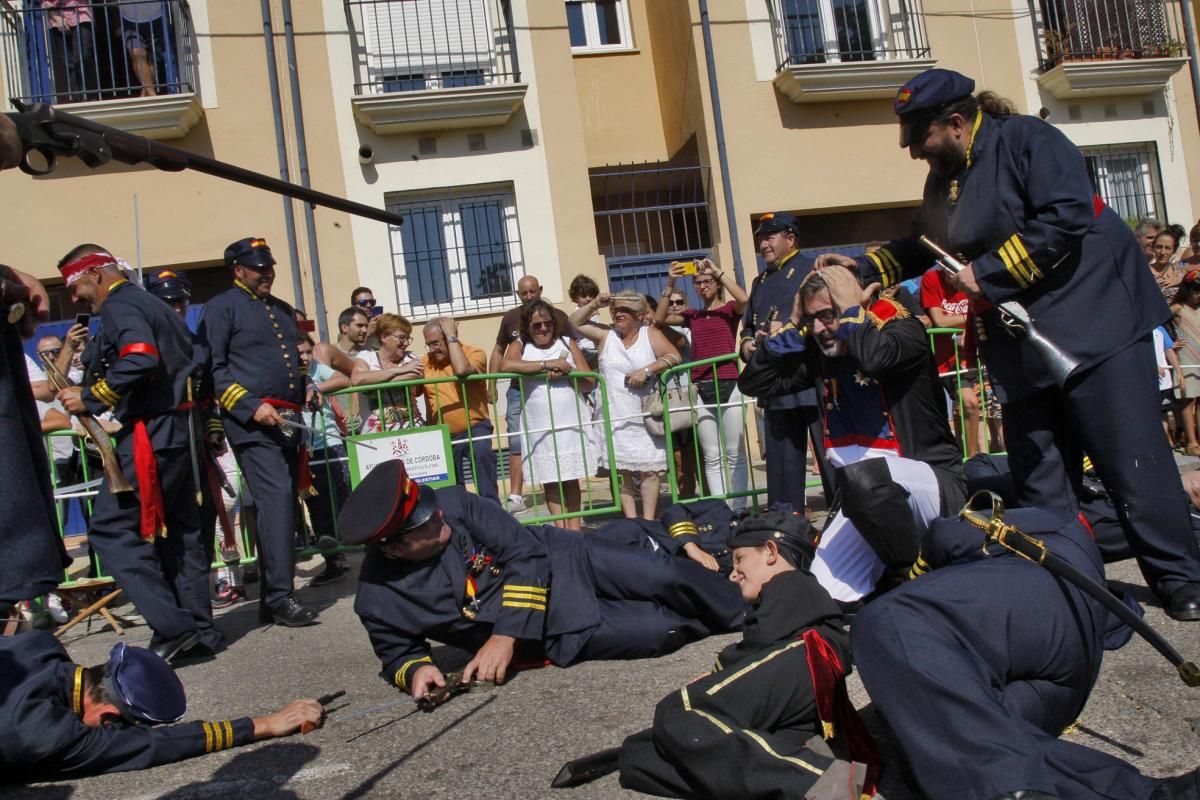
413,45
102,50
832,31
1108,30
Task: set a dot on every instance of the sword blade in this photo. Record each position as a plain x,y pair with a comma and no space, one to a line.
302,427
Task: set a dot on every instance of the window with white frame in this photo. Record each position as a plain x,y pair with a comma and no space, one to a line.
821,31
598,25
458,251
1127,177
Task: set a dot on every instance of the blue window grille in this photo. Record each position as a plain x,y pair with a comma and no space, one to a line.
648,215
457,252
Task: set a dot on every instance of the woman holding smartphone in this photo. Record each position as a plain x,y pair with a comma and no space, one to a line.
714,333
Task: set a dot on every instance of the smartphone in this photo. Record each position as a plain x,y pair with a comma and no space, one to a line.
376,311
688,267
83,319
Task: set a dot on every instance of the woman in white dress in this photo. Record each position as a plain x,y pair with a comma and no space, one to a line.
557,450
391,409
631,356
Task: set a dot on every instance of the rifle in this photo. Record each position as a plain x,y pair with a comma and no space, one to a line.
117,482
1016,319
47,132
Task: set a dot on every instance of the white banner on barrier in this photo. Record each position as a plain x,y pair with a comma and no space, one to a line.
425,452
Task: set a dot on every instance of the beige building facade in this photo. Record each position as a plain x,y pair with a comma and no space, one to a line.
557,138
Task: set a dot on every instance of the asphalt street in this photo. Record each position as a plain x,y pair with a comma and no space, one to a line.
511,741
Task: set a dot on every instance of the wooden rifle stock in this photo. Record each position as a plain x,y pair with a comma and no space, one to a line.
117,483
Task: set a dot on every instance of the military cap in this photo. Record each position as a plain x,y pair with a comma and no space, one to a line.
143,686
924,97
169,286
775,222
252,252
787,529
387,503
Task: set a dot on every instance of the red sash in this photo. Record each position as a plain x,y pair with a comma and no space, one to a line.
835,709
305,483
154,512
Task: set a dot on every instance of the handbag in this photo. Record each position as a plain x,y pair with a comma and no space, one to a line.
679,400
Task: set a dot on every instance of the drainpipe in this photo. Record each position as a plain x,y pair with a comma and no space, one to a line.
314,257
289,216
722,156
1189,31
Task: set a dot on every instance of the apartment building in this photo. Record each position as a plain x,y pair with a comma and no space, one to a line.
557,137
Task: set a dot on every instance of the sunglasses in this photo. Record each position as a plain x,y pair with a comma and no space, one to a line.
541,326
52,353
365,303
677,302
825,315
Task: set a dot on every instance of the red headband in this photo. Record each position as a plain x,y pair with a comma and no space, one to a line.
74,270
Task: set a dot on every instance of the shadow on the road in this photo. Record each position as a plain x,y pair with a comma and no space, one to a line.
364,788
1138,591
259,773
1124,748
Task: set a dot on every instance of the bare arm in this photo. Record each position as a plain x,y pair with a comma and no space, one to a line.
459,362
943,320
511,361
581,384
732,288
581,321
666,357
55,420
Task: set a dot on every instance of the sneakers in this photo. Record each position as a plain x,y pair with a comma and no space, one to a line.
515,504
226,595
54,605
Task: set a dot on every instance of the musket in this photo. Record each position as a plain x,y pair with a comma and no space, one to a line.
300,426
117,483
1013,539
47,132
1016,319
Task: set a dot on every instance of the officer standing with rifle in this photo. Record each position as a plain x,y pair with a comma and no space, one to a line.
260,384
1010,196
138,366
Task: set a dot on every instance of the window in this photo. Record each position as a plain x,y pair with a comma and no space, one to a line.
1126,176
819,31
458,250
598,25
413,45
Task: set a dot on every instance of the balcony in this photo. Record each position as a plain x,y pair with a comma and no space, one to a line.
130,64
1093,48
426,65
833,50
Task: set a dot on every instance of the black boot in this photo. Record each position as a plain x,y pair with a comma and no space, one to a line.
290,612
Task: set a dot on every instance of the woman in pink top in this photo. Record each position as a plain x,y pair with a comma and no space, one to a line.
72,45
719,410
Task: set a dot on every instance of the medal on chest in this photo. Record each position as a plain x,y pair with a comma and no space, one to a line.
476,562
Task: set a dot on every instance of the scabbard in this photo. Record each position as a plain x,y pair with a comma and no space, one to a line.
586,769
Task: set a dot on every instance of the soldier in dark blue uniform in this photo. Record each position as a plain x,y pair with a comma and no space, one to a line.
979,665
258,380
448,565
34,556
61,720
1010,194
758,723
789,419
149,540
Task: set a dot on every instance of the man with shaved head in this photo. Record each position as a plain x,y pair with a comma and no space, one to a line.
529,289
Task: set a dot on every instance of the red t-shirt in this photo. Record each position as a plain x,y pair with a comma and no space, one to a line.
936,292
714,333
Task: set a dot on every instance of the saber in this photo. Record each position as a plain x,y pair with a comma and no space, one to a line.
1015,317
1035,550
300,426
76,489
193,444
324,700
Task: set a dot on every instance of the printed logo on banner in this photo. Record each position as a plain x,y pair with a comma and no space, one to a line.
425,452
